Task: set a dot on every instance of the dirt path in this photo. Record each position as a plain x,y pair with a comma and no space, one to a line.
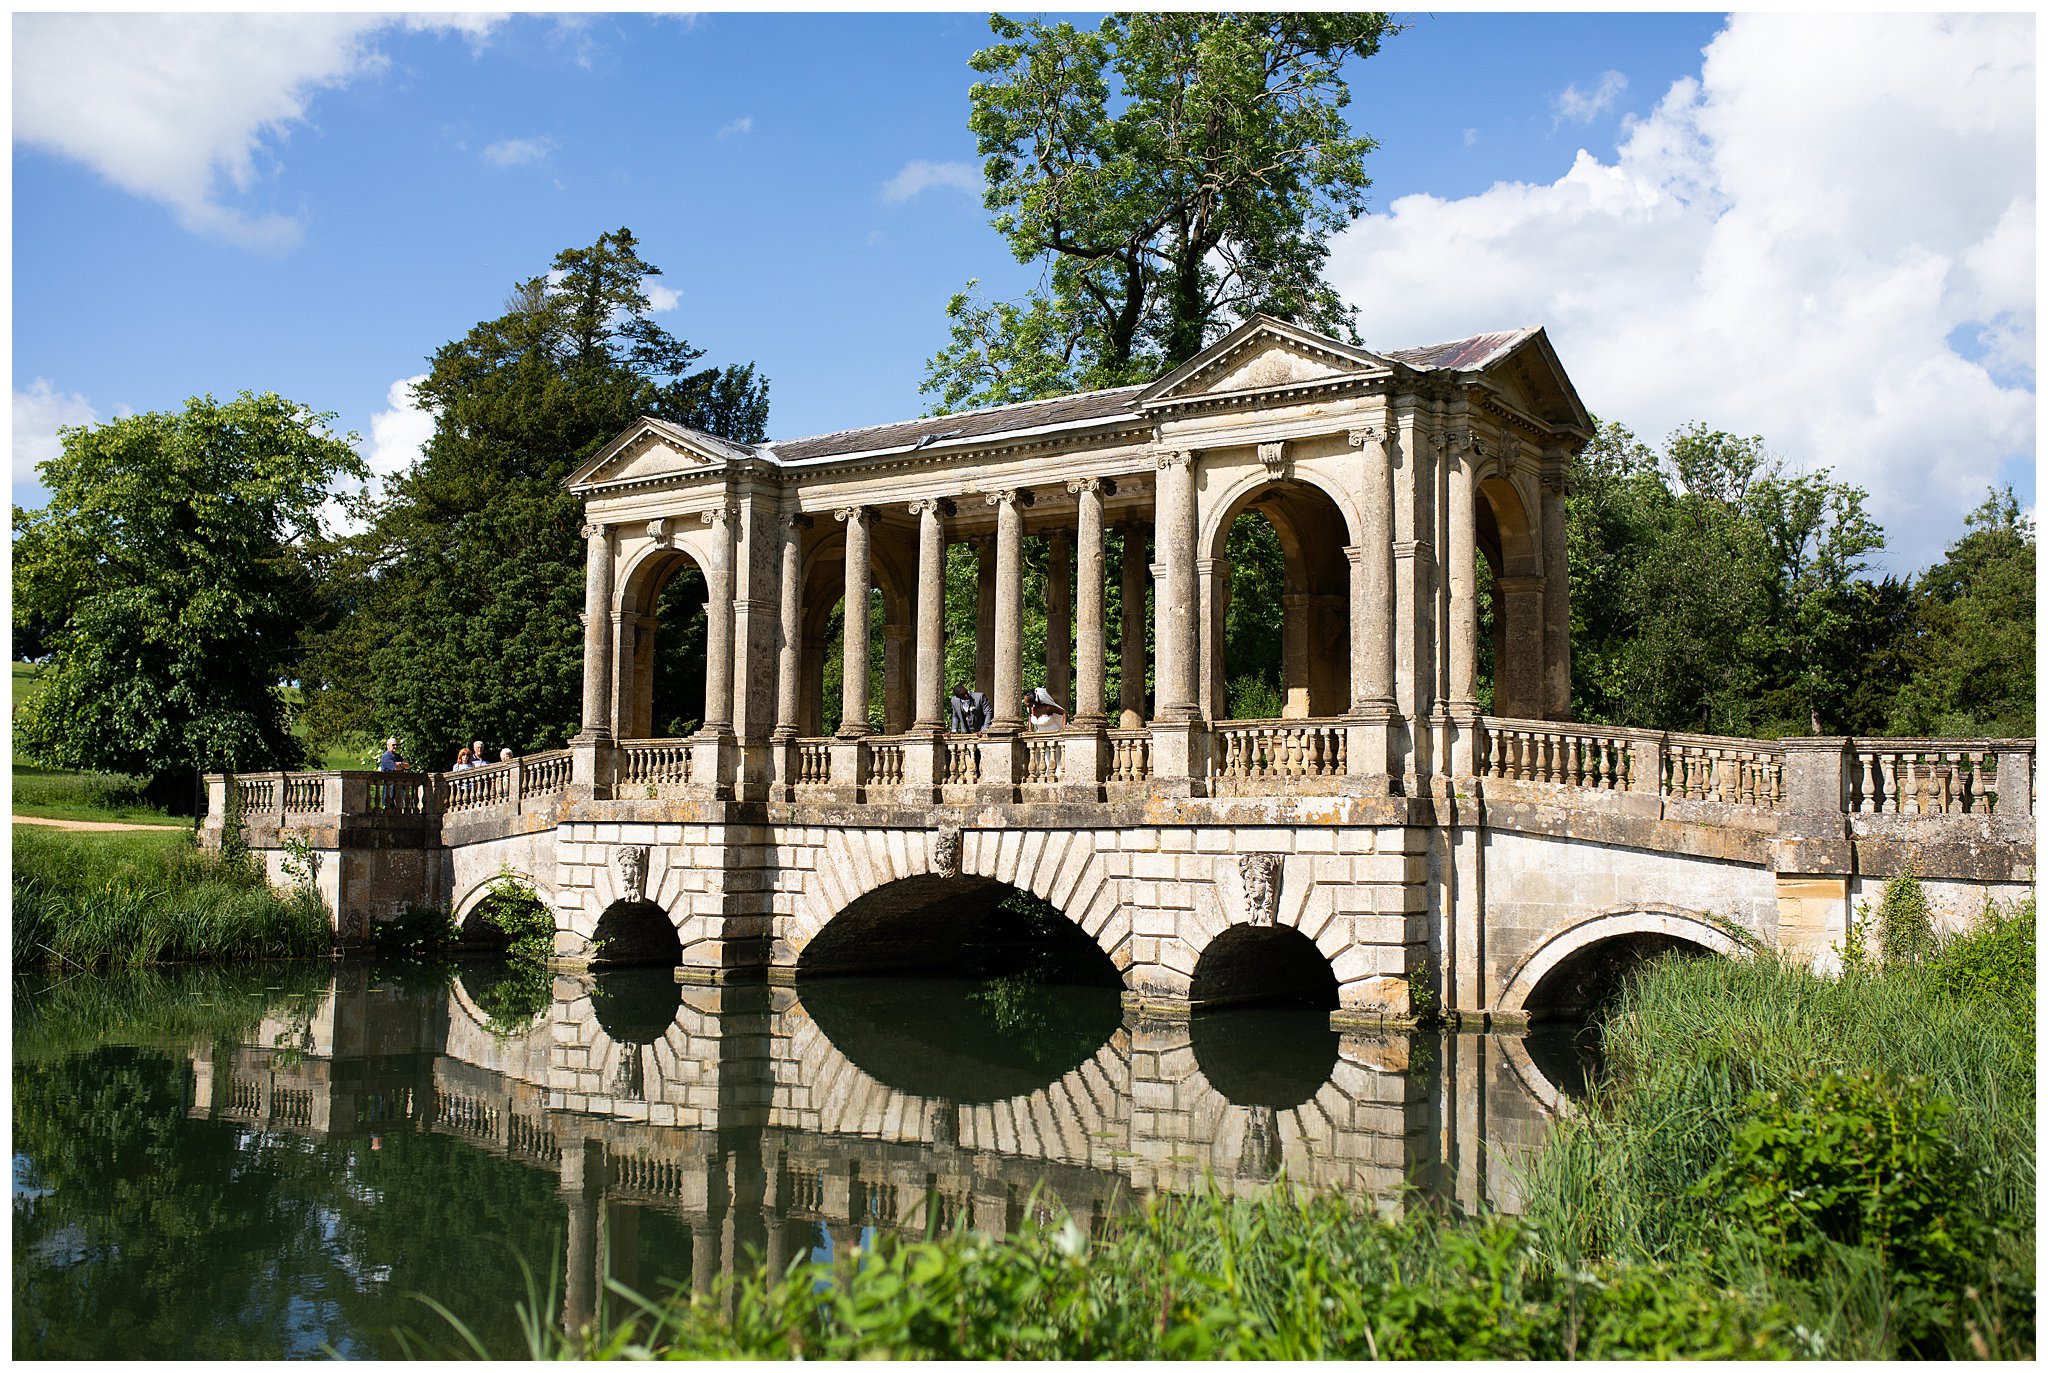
88,824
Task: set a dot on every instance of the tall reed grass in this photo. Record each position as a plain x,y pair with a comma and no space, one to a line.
95,905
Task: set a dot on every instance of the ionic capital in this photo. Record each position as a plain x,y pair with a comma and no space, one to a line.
721,514
1009,495
852,514
1102,485
594,530
1554,480
938,505
796,520
1165,459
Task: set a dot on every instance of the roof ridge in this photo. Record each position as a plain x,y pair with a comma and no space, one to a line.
954,414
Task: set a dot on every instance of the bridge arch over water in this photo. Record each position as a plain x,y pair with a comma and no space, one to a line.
1583,960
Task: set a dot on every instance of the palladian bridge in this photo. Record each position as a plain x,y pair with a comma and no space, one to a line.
1381,844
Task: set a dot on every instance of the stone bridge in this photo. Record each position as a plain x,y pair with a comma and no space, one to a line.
1382,844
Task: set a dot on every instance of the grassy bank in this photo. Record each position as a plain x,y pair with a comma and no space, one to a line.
129,899
1778,1165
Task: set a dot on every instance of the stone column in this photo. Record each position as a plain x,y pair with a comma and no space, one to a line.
1002,747
1372,577
1518,682
1008,694
1131,644
597,633
1557,597
1414,587
1213,576
984,615
931,613
789,646
853,698
1461,610
1059,617
1088,694
718,622
899,673
1179,611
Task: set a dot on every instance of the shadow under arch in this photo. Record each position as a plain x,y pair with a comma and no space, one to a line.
959,988
1263,965
635,934
1579,970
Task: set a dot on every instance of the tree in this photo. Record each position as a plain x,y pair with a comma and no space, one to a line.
1969,644
1174,172
172,565
1714,591
459,609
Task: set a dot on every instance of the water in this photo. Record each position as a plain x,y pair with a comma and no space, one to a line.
214,1164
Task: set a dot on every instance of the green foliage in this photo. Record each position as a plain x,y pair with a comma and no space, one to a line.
1993,960
516,910
457,613
1254,624
1174,172
82,905
1715,1115
1905,928
1969,644
1287,1275
516,995
1853,1159
175,563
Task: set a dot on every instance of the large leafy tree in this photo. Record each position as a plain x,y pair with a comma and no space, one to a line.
1173,172
171,567
1713,590
459,608
1969,646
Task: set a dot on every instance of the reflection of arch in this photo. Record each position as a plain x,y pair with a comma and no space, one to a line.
893,572
1315,657
1507,538
641,585
1059,866
1649,925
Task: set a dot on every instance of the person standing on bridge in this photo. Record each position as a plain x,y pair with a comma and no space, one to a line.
971,712
391,760
1047,714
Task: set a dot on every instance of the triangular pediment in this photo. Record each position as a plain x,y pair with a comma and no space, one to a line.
650,450
1530,378
1262,354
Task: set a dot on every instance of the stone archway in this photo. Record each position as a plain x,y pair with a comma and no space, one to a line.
1506,537
1580,961
659,668
1314,650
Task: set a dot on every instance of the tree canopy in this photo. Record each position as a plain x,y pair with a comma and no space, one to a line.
172,569
1174,172
458,612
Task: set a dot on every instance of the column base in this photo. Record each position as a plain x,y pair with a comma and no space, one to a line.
1002,762
1180,757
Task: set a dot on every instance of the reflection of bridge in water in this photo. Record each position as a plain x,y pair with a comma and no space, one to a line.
732,1111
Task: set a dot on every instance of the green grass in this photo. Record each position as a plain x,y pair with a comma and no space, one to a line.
130,899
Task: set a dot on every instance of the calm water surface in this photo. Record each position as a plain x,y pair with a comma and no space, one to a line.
263,1164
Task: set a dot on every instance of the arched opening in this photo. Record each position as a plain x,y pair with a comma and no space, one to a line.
959,988
1271,1056
635,1005
635,934
1508,602
661,649
1263,965
1280,618
1585,983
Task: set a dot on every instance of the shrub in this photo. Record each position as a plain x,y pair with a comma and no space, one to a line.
416,932
1905,929
1993,960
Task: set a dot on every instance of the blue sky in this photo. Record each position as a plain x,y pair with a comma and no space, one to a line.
313,205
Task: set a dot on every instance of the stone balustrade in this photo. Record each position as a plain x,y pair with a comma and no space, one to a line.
1264,750
1130,756
885,762
1938,777
654,763
813,762
1564,755
1044,759
963,763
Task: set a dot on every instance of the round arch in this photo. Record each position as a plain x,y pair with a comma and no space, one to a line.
1650,927
635,933
1313,527
637,681
1507,538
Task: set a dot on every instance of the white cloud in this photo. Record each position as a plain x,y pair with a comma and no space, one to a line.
1785,246
517,152
920,175
744,124
1471,137
191,110
1583,107
39,412
398,435
660,298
